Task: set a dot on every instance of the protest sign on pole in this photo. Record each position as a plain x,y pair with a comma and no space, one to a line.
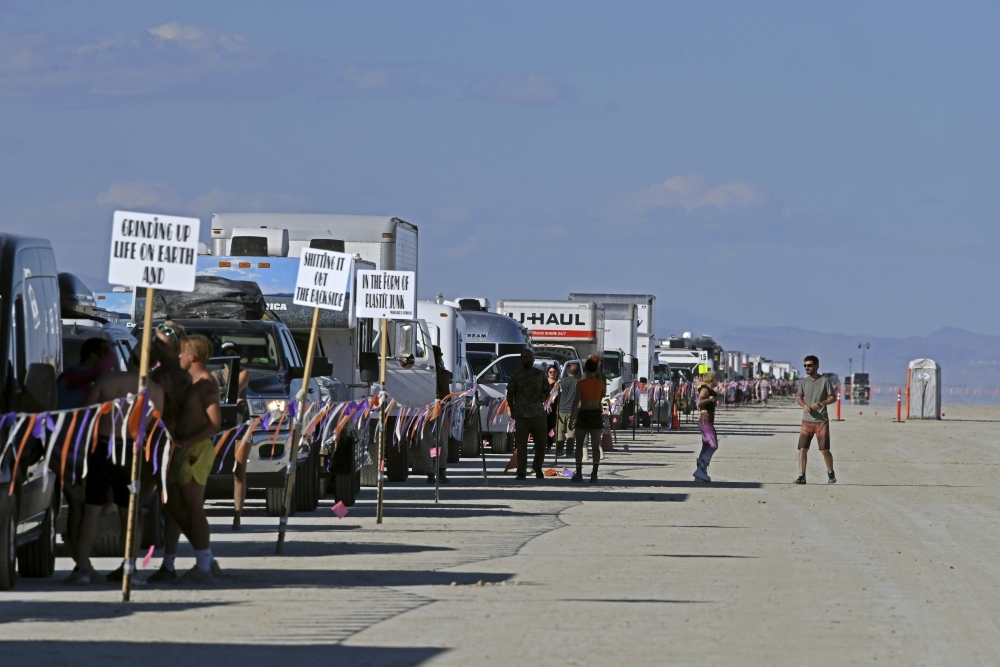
321,283
151,251
385,295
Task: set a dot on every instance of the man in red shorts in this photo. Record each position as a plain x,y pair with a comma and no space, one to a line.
815,393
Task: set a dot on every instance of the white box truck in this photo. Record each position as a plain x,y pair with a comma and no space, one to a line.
566,329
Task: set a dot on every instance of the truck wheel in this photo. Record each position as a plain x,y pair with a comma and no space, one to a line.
109,544
37,560
498,443
324,484
344,489
307,485
369,471
472,441
397,468
274,498
357,481
454,450
8,541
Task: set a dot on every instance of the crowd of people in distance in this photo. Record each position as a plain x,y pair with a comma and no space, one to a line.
734,393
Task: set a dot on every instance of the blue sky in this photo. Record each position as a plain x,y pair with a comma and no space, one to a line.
834,168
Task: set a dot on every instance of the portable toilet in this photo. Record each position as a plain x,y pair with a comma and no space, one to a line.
923,389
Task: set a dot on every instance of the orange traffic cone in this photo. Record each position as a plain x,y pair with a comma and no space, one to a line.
512,464
675,423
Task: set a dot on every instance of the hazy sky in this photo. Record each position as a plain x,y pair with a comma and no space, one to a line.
758,163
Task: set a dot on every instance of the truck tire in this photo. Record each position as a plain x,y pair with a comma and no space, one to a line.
397,468
8,540
472,441
274,498
369,470
357,482
454,450
501,443
344,489
37,560
109,545
307,484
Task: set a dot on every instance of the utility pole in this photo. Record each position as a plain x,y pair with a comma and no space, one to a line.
850,367
863,347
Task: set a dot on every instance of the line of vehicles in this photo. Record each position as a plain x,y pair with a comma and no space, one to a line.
243,302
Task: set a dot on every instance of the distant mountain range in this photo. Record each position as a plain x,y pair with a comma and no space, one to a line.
966,358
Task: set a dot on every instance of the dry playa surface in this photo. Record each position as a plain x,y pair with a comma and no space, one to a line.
896,564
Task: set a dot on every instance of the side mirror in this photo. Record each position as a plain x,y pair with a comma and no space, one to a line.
404,341
368,364
321,367
635,366
490,378
39,389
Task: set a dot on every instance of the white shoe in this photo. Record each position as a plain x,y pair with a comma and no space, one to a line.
701,475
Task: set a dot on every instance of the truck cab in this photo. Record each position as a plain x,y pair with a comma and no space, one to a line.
267,350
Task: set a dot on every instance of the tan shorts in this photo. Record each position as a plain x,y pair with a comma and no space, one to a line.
822,432
192,464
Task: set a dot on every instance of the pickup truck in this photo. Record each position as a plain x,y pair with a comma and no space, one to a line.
266,348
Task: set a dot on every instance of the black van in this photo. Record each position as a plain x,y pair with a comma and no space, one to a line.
31,349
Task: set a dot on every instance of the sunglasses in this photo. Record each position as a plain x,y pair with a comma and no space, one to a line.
809,365
169,332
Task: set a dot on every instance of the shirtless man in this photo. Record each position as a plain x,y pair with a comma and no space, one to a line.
103,475
194,456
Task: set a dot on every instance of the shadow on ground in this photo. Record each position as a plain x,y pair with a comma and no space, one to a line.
75,654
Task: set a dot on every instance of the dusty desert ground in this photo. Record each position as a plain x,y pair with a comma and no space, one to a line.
896,564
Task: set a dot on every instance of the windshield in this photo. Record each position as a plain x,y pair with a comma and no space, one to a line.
505,367
257,350
479,362
612,364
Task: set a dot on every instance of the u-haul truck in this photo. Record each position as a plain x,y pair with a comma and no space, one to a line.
565,329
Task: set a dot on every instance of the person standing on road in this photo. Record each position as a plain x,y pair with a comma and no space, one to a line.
552,418
706,424
765,390
814,394
527,390
439,438
588,413
193,458
565,425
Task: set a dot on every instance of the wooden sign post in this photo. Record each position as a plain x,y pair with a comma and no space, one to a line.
322,282
155,252
385,295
